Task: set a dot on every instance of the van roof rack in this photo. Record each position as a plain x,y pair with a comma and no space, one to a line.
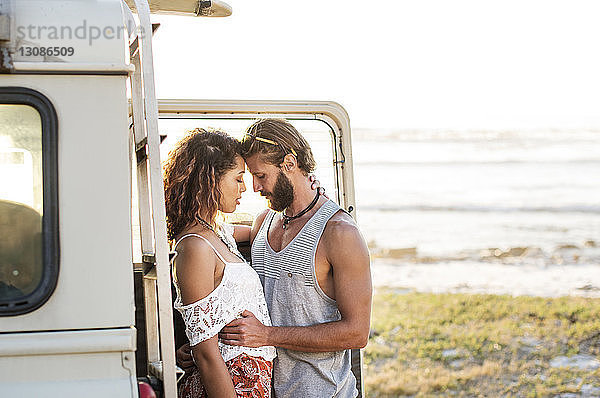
198,8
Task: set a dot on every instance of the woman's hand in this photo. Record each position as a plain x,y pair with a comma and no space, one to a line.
184,358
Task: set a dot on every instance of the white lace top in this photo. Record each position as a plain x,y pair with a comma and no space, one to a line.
239,290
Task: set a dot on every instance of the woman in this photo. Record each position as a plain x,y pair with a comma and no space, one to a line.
204,176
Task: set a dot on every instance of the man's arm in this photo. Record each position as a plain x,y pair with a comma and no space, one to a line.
348,255
257,223
241,233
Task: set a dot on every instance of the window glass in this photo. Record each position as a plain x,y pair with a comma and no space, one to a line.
317,133
21,201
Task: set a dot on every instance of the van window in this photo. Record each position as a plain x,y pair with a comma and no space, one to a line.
28,250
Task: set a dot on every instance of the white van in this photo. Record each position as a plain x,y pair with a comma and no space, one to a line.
85,289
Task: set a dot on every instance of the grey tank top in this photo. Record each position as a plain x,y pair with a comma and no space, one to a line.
294,298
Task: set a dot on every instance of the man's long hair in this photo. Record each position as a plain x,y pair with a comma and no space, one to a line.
279,138
192,174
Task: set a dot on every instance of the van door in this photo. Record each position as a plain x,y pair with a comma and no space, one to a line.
325,125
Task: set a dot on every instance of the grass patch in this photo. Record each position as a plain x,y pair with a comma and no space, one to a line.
479,345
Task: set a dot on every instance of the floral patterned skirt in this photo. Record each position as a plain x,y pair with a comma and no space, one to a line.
251,378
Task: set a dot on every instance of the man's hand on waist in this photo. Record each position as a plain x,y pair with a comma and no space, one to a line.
247,331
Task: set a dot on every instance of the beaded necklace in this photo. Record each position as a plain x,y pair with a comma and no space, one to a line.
231,246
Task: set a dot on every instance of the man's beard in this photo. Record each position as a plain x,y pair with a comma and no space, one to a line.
283,193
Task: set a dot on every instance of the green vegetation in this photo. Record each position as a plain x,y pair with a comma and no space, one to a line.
480,345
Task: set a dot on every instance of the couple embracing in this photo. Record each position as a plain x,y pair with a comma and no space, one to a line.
285,323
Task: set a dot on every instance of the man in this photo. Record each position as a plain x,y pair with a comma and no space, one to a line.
314,267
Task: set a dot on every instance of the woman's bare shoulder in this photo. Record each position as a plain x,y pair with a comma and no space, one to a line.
194,269
195,252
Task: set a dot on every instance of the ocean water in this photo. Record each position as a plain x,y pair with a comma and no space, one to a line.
514,212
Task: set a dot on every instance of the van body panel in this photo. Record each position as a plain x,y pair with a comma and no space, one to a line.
92,363
95,283
68,342
96,31
89,388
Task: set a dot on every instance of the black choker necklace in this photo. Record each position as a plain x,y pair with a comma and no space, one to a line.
287,219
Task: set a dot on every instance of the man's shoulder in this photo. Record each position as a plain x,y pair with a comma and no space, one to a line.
343,244
340,227
341,219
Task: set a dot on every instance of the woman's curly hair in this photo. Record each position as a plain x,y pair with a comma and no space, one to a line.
191,177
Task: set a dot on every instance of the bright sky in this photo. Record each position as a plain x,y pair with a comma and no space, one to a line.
397,64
